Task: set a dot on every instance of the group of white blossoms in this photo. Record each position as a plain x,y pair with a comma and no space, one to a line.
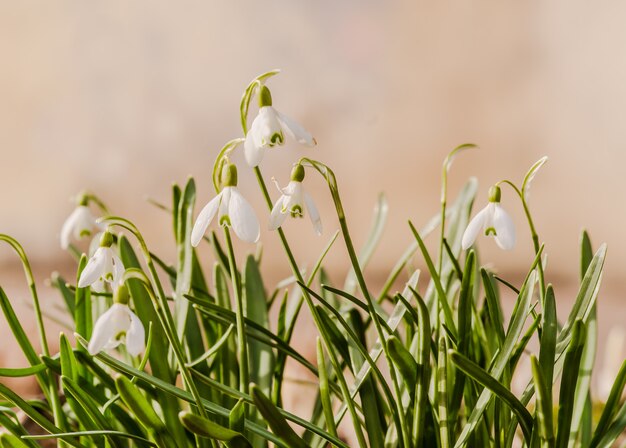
119,324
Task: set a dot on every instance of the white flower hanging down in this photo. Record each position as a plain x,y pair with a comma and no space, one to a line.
79,224
104,265
268,128
234,211
116,325
494,221
294,201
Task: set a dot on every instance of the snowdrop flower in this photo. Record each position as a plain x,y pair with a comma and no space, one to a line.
234,211
494,221
293,202
79,224
103,265
116,324
268,130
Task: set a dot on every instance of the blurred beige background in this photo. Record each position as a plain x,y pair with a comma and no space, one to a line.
123,98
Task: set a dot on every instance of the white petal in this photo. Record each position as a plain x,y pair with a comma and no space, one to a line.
68,229
136,335
242,218
85,222
313,213
254,153
505,229
94,269
108,273
277,217
296,131
269,129
118,270
474,227
204,219
107,327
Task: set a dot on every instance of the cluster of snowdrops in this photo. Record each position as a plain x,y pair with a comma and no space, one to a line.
426,366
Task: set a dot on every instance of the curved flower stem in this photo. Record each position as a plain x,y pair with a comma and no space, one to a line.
242,346
96,200
329,347
533,232
48,383
168,323
328,174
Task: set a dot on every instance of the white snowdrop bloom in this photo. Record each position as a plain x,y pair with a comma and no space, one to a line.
104,265
268,129
116,325
494,221
294,201
234,211
79,224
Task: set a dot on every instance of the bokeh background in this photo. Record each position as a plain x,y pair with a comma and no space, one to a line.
124,98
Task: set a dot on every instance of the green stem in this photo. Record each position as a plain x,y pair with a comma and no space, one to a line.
329,347
50,389
533,233
242,346
166,314
332,184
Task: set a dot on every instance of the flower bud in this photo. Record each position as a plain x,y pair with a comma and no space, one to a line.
121,295
229,175
494,194
297,173
106,240
265,97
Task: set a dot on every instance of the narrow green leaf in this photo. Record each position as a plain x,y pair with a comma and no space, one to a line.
568,383
11,441
32,413
544,402
371,242
423,374
206,428
442,393
502,358
441,294
464,319
107,433
404,362
237,416
183,224
137,403
275,419
26,371
324,390
262,359
610,407
616,429
481,376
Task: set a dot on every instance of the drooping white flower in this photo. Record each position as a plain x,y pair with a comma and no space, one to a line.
234,211
268,129
494,221
104,265
116,325
79,224
294,201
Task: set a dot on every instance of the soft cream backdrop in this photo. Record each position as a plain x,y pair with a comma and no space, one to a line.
125,97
